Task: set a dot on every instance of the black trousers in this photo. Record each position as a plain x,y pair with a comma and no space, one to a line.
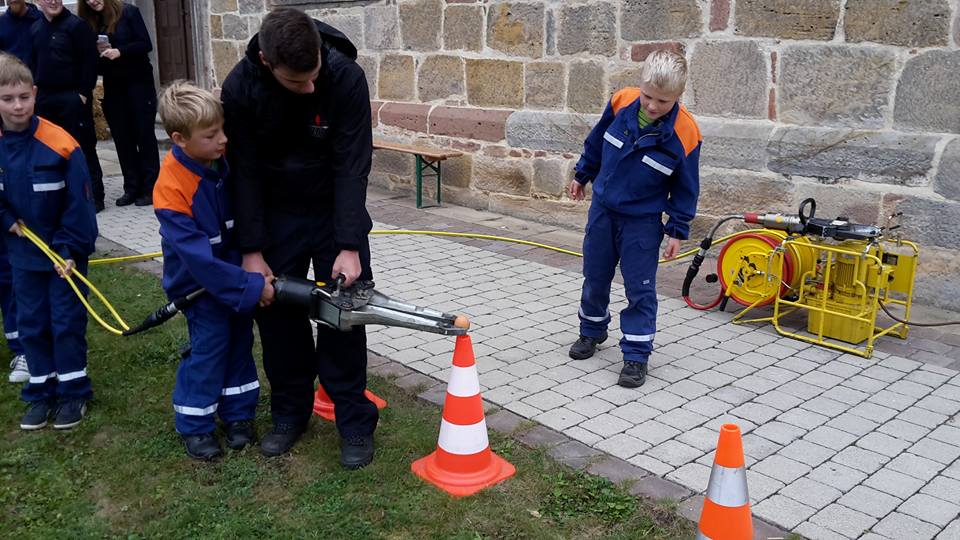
67,111
290,359
131,112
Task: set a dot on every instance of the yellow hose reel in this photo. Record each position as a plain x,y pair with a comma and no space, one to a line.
840,273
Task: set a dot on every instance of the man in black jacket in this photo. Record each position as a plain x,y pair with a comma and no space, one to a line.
64,66
297,114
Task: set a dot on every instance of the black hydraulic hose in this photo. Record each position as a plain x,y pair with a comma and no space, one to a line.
698,259
912,323
166,312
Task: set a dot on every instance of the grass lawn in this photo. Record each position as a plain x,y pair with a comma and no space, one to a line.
123,473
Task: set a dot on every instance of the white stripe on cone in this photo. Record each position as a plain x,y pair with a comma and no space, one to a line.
463,440
464,381
728,486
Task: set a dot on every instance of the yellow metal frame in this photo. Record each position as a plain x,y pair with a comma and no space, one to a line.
871,285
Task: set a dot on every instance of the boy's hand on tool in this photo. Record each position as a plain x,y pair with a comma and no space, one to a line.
672,249
15,229
268,293
575,189
348,264
66,269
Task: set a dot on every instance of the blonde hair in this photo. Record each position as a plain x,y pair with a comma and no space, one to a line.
184,107
13,71
665,70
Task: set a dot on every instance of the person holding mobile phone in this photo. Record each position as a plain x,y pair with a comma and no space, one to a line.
129,94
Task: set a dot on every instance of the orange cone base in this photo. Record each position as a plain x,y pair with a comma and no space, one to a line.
463,484
323,405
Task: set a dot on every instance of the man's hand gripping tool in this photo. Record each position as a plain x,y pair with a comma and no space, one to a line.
340,307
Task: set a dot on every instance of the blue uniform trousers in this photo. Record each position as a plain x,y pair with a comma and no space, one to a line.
7,303
53,331
634,242
219,376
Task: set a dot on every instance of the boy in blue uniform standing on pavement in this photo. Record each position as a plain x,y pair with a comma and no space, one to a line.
643,158
196,226
44,184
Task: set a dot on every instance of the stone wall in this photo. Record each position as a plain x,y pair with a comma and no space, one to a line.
855,102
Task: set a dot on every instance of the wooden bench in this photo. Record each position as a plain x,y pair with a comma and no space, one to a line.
428,159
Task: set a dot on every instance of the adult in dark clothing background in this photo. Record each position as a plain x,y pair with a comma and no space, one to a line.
129,95
64,66
15,26
298,119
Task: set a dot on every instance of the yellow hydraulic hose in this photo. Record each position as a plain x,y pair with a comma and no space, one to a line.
58,260
145,256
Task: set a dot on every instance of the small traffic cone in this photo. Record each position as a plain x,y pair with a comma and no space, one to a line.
463,463
323,405
726,508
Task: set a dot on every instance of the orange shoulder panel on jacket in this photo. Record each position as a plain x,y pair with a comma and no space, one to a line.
687,130
55,138
175,188
624,98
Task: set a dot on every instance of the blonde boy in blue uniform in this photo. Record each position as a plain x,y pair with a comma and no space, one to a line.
643,158
218,377
45,185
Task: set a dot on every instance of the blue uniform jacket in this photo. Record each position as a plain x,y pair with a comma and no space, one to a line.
15,37
648,171
44,181
196,229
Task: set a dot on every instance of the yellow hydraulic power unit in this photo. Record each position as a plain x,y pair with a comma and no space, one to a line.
841,274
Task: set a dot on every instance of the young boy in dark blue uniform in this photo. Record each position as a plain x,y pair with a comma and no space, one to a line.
15,39
44,184
196,226
643,158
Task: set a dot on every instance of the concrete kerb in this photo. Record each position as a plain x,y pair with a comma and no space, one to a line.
574,454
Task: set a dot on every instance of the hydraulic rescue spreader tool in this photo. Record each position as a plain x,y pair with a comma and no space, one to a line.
342,308
840,273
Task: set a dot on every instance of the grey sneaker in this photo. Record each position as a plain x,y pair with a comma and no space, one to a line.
18,369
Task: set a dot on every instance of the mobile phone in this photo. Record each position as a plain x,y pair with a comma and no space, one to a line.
102,38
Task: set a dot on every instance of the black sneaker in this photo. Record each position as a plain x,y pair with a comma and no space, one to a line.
240,434
37,415
356,452
281,439
633,374
126,199
144,200
69,413
586,346
203,447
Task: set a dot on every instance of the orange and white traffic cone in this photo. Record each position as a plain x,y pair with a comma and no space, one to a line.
323,405
463,463
726,508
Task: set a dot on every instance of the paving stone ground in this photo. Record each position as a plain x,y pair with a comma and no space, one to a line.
837,446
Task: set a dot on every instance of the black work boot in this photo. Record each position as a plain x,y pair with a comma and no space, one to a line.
633,374
586,346
281,439
356,452
240,434
126,199
203,447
